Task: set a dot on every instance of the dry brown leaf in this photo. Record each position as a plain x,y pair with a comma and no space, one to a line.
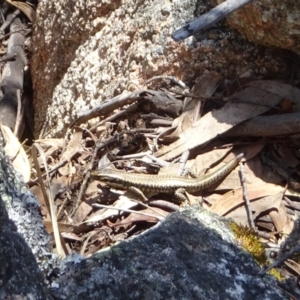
92,189
258,206
204,161
234,198
49,146
283,223
293,266
205,86
27,9
133,218
219,121
103,214
63,227
50,143
71,236
72,148
254,149
82,212
253,170
15,151
163,101
278,88
286,156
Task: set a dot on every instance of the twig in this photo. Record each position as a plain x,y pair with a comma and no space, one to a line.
108,106
55,168
117,115
86,178
182,162
205,21
281,259
136,155
62,207
19,116
161,122
245,196
172,78
158,161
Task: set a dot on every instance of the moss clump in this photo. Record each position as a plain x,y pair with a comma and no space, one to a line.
250,243
276,274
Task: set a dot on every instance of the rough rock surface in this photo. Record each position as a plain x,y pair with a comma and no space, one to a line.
94,50
23,238
89,51
269,23
190,255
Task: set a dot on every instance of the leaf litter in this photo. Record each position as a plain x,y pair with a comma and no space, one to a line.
146,135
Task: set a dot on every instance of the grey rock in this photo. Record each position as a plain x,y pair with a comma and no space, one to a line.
23,239
190,255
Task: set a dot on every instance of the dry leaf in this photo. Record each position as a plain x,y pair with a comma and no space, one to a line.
234,198
283,223
47,144
72,148
25,8
293,266
133,218
163,101
219,121
258,206
82,212
15,151
63,227
205,86
103,214
278,88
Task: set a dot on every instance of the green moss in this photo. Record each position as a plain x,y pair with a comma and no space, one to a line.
249,241
276,274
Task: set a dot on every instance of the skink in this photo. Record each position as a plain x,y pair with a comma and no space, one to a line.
163,183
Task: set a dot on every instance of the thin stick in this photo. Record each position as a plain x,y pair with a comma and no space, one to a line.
245,196
19,114
205,21
281,259
86,178
147,206
171,78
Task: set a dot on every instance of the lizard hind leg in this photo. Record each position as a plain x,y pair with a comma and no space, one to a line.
180,195
138,192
